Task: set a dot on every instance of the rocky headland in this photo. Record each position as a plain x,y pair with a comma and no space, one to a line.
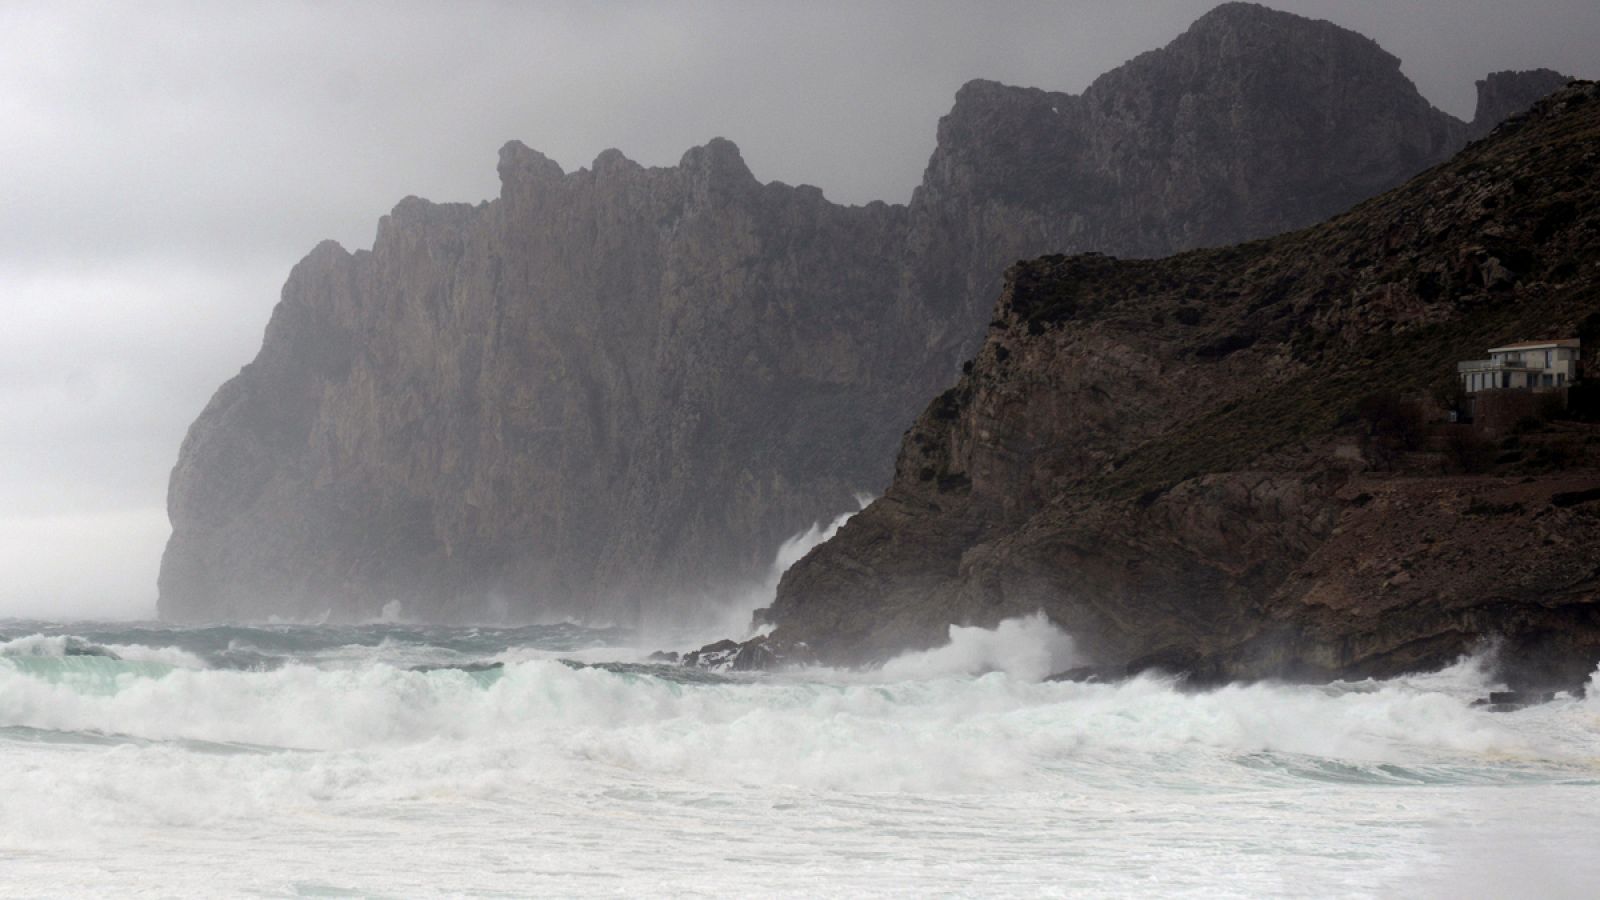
1234,463
613,392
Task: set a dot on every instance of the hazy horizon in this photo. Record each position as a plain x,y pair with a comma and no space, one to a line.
166,165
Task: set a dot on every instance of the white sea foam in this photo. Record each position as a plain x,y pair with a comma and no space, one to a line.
38,645
772,730
1029,648
168,656
588,655
543,778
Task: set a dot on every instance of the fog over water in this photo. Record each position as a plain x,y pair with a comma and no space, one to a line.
163,165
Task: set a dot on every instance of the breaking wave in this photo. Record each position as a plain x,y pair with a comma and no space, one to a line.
912,724
965,734
1029,648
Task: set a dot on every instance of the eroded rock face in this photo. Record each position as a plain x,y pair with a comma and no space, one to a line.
1502,95
1251,123
562,400
610,390
1167,457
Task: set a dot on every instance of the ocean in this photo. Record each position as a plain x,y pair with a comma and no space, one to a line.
389,760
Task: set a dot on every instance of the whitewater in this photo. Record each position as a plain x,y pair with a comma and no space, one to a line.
406,761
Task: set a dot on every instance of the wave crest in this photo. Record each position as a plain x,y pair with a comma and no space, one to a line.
1028,648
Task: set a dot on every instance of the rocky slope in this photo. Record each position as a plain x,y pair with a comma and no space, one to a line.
609,390
1179,460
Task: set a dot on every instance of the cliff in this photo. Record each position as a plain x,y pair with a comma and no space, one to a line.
611,391
593,381
1188,462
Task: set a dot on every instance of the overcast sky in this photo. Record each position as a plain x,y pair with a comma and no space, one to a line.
163,165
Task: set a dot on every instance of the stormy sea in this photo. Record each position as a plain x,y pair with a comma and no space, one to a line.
393,760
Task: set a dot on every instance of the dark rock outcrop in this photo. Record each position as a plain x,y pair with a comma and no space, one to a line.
757,654
609,390
1177,460
1505,94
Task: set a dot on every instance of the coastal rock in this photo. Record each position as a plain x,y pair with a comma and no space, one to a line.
754,655
613,392
1158,454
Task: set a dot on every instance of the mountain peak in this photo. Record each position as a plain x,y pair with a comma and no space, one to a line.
612,160
519,161
718,156
717,164
1250,30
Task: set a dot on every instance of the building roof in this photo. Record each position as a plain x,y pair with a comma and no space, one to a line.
1537,345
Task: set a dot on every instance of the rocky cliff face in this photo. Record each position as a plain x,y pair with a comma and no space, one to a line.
548,395
1178,460
609,390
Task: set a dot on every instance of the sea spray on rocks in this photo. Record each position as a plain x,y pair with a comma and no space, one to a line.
1028,648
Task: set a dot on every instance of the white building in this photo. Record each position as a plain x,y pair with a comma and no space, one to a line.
1529,366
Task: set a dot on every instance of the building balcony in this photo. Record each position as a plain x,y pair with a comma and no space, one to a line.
1494,365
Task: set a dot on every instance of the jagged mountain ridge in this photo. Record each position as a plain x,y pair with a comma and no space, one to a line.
1167,456
610,389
